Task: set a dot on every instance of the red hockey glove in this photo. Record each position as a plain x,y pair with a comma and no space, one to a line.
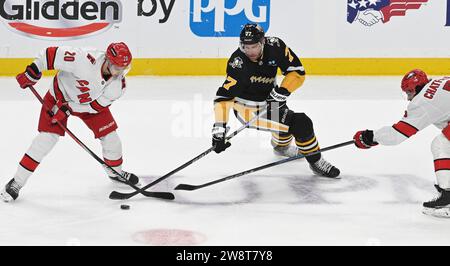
29,77
364,139
63,112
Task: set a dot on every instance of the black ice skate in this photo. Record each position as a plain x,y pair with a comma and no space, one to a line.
11,191
439,206
132,178
324,168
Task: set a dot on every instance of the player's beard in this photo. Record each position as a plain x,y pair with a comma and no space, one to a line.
255,56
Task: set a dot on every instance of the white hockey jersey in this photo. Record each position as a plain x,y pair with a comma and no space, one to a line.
430,106
79,80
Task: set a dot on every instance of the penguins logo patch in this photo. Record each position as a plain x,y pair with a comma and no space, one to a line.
272,41
236,63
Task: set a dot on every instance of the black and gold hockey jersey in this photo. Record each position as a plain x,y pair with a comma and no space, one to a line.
253,81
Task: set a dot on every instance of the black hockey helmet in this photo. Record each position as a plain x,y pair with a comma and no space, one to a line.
251,33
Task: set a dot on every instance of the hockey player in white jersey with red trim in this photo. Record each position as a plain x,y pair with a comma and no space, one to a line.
87,83
430,104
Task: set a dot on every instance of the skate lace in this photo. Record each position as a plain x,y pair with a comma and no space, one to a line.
126,175
438,197
14,186
324,165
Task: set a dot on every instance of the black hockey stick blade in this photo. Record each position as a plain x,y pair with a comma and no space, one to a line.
160,195
187,187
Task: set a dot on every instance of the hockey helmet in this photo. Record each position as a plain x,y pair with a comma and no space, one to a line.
119,55
251,33
414,81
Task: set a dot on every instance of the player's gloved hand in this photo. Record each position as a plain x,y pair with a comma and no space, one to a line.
219,132
63,111
29,77
277,98
364,139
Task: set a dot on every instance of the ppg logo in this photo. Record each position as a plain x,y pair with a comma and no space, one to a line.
224,18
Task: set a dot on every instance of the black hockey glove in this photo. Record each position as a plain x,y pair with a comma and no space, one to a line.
219,132
364,139
277,98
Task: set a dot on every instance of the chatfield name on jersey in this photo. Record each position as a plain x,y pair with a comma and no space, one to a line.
60,19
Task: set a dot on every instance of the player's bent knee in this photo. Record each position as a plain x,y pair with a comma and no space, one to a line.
50,137
42,145
46,140
301,125
111,142
440,147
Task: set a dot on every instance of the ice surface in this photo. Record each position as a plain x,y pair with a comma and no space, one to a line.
164,122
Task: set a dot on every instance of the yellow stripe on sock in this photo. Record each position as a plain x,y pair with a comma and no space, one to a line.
309,151
309,142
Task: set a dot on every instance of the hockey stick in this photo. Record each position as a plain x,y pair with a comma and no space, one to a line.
195,187
122,196
161,195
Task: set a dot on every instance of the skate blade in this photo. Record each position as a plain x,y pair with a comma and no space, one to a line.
440,213
5,197
324,176
123,184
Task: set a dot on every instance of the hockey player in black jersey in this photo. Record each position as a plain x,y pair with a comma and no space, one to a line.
251,86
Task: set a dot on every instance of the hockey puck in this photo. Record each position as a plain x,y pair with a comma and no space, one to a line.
125,207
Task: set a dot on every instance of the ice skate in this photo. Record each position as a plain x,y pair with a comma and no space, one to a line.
439,206
324,168
130,178
11,191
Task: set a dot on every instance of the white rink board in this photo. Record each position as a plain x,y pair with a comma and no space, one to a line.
315,29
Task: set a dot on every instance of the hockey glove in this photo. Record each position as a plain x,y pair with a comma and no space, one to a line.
219,132
63,111
277,98
29,77
364,139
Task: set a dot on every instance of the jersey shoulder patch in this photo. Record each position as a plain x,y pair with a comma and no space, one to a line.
273,41
236,62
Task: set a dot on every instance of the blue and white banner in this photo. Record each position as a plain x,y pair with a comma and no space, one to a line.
220,18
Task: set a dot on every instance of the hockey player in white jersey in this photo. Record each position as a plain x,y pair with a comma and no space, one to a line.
430,104
87,83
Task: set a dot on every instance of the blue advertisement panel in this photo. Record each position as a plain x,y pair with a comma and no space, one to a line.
220,18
